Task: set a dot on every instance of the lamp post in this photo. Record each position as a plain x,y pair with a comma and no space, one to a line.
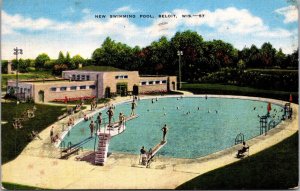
17,51
179,53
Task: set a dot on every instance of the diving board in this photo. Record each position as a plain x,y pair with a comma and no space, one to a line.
147,159
158,147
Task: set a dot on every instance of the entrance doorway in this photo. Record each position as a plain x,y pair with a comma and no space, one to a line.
135,90
107,92
122,89
41,96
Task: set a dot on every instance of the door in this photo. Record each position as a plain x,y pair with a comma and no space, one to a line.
135,90
41,96
122,89
107,92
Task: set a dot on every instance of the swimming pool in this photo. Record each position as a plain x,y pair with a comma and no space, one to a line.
197,126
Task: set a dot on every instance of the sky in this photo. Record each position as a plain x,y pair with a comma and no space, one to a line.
50,26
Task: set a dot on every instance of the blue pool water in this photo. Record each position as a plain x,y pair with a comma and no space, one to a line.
211,128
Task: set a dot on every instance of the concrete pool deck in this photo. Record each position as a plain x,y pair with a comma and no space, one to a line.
38,165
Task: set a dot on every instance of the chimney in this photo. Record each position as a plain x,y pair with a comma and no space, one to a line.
9,67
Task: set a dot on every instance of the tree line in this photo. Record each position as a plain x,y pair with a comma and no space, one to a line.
199,57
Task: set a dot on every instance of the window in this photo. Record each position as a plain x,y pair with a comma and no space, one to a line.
157,82
126,76
87,77
164,81
82,77
53,89
82,87
116,77
92,86
144,83
78,77
73,77
63,88
73,87
150,82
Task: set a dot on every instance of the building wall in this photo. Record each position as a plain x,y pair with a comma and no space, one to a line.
109,80
51,95
23,88
173,83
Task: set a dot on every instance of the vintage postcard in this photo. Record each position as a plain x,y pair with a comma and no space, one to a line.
149,94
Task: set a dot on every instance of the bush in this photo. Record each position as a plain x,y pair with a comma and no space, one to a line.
31,69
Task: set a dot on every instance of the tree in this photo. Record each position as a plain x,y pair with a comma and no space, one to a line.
61,58
68,62
40,60
76,60
4,64
280,59
267,54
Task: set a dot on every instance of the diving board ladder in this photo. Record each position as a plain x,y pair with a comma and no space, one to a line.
101,153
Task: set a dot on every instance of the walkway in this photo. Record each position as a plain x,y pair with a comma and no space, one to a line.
184,92
122,171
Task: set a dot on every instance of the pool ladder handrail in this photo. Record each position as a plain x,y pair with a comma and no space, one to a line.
240,138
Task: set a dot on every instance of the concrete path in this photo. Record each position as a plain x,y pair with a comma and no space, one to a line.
184,92
31,167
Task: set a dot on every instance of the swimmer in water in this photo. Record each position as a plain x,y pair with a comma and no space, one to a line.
165,113
254,108
216,111
178,98
177,107
152,101
198,108
208,111
156,99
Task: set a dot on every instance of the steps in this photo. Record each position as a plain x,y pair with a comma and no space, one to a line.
101,153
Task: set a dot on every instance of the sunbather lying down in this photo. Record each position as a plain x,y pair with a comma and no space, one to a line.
244,149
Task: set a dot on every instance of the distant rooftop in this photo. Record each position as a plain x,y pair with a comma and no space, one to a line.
100,68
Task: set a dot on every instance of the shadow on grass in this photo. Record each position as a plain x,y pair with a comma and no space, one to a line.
274,168
12,186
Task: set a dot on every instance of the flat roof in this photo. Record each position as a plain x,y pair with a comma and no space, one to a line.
100,69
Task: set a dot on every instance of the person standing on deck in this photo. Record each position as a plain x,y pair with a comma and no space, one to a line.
99,118
164,130
133,106
92,126
110,114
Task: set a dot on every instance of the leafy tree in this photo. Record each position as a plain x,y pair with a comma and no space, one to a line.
267,54
76,60
49,64
68,62
61,58
280,59
4,64
40,60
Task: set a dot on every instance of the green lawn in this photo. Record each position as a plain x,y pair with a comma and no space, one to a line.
12,186
24,76
100,68
238,90
14,141
273,168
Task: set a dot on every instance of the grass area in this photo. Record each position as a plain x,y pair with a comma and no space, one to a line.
14,141
13,186
100,68
273,168
238,90
272,70
25,76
